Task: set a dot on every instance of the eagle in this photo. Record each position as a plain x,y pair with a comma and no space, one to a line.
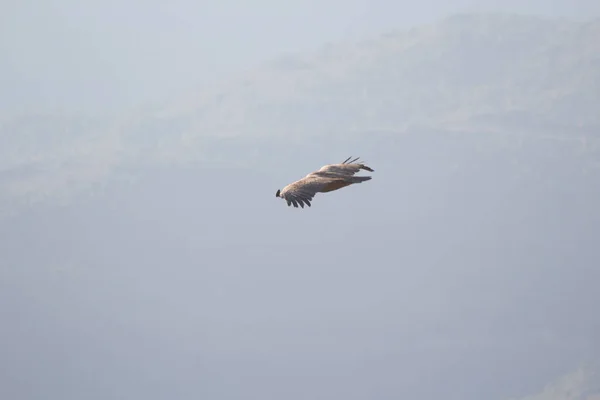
330,177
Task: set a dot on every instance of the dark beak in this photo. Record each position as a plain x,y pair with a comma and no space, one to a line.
277,194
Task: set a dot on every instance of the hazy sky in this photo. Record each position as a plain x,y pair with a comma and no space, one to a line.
106,55
481,279
466,269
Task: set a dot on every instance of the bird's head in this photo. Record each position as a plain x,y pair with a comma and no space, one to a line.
278,193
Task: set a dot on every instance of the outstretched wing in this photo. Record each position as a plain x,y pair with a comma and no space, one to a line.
302,192
345,168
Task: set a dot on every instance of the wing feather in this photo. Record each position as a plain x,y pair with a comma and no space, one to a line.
347,168
303,191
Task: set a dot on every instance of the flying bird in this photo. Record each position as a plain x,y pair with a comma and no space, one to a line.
330,177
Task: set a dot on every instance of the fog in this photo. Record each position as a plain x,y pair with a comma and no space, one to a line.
467,268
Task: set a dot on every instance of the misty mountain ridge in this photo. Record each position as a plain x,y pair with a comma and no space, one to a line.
466,69
495,74
580,384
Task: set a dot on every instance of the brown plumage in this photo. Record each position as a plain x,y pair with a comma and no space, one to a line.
329,178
